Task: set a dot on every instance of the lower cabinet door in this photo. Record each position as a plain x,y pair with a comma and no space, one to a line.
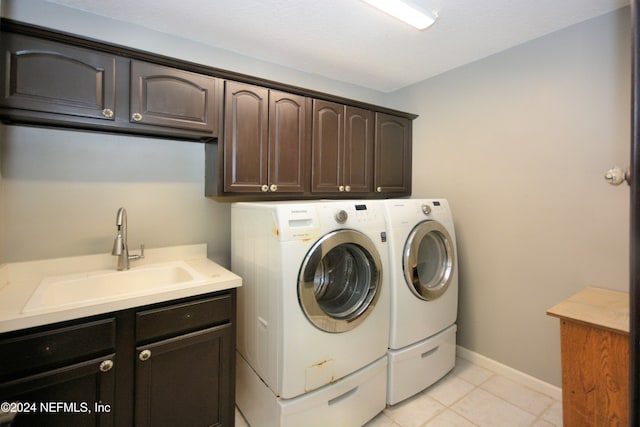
76,395
186,380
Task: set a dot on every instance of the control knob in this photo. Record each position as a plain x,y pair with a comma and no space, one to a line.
341,216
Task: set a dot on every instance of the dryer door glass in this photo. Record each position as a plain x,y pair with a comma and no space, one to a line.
428,260
339,280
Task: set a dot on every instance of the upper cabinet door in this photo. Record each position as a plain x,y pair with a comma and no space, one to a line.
54,81
358,150
392,154
288,142
246,135
172,98
342,148
328,146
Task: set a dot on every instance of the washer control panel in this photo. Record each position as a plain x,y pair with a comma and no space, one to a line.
354,214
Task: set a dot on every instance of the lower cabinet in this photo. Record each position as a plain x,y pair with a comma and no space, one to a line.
162,365
184,381
81,394
594,344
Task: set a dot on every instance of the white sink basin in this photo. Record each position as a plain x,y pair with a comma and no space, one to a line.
108,285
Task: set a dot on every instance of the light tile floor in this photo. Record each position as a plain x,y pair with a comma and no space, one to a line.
470,396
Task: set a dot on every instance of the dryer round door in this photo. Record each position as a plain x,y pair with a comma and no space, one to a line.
339,280
429,260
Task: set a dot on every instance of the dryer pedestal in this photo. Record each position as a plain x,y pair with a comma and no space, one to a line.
416,367
351,401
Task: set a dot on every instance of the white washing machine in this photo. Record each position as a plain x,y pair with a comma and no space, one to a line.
313,311
424,294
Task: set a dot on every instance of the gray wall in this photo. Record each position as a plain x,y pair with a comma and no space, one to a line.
519,143
60,189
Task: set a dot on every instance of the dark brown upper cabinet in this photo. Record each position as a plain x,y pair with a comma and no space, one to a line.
54,83
265,140
63,82
342,148
393,155
168,97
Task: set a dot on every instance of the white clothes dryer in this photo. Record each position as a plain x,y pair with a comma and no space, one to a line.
424,294
313,308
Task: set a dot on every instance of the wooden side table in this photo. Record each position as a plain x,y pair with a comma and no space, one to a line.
594,334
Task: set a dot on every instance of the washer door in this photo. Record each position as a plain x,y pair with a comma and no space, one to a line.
339,281
428,260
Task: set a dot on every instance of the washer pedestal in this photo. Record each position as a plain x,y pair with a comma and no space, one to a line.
351,401
416,367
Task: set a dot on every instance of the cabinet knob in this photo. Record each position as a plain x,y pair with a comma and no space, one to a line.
379,189
136,117
144,355
616,176
341,188
273,187
264,188
108,113
106,365
347,188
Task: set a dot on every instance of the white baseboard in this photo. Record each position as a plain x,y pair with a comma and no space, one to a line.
513,374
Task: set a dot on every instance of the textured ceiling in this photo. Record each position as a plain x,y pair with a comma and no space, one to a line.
348,40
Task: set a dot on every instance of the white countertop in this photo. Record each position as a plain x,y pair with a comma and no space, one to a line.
18,281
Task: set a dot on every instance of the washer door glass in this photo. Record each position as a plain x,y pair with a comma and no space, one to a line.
339,281
428,260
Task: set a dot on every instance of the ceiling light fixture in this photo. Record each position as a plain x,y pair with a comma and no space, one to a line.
401,10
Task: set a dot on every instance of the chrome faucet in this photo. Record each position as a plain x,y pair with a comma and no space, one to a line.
120,246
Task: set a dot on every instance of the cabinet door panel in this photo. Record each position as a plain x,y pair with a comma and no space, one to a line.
165,96
328,141
48,77
358,150
245,137
185,381
287,141
393,154
81,387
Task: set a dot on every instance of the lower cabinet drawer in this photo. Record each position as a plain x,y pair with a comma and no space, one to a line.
52,348
181,318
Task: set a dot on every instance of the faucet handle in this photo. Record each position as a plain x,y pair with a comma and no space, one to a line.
140,256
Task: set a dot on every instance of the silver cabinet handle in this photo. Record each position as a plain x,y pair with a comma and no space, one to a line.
379,189
264,188
341,188
106,365
347,188
136,117
144,355
108,113
273,187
